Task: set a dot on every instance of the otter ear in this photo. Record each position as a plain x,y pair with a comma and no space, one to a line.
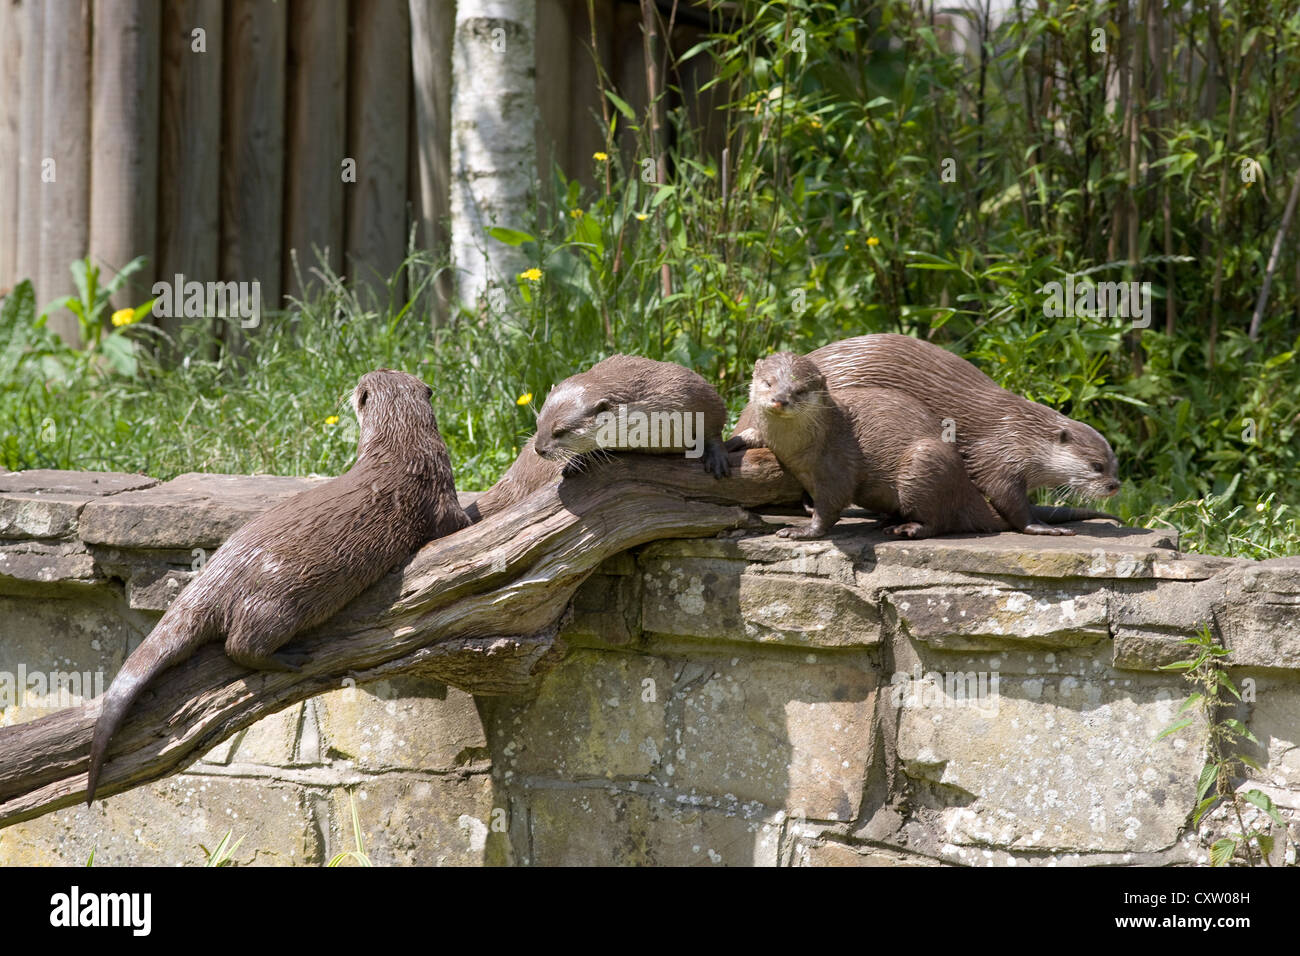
601,406
1064,436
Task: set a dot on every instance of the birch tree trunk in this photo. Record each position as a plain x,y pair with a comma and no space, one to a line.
493,150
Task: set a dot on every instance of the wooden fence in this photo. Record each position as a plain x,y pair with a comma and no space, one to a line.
209,135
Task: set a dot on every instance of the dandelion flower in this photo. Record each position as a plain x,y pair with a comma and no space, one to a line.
575,213
524,399
123,317
642,217
600,157
332,420
532,275
872,241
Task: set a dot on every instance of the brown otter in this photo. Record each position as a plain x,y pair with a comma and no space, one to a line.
875,447
1010,445
630,403
295,565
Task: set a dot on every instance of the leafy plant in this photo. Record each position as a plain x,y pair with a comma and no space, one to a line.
223,853
1206,669
358,852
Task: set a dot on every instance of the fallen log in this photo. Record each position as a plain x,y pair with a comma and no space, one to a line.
480,610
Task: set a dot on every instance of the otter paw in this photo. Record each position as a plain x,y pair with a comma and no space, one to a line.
808,504
803,533
1045,529
908,529
716,462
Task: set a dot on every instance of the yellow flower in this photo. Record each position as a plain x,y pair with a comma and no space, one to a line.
872,241
124,317
600,157
532,275
642,217
332,420
524,399
575,213
816,124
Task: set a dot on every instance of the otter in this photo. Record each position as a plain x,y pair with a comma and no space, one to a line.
294,566
629,403
1010,445
874,447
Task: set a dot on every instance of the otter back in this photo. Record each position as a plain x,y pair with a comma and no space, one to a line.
294,566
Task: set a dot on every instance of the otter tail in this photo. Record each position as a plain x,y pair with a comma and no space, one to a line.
176,637
1057,514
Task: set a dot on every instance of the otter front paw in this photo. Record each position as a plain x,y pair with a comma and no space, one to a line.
716,462
804,533
1044,529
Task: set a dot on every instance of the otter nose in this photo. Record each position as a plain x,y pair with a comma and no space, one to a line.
779,403
1112,487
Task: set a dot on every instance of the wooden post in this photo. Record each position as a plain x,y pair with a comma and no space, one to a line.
27,259
433,24
555,41
11,83
124,140
252,155
380,81
588,104
189,177
317,137
64,169
630,78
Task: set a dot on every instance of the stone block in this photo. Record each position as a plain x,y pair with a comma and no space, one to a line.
599,827
406,723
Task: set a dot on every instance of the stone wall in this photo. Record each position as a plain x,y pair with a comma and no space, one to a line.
730,701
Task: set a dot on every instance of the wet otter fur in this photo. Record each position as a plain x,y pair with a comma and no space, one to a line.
569,426
874,447
294,566
1010,445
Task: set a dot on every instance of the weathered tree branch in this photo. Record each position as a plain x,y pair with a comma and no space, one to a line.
442,614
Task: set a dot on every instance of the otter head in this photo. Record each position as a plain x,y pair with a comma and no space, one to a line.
786,385
1079,460
393,409
567,425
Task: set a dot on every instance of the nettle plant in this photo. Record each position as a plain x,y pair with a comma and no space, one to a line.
1225,736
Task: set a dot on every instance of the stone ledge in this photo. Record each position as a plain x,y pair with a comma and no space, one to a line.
740,699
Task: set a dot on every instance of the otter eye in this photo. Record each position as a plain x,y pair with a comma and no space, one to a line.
361,399
1098,467
558,432
1064,437
428,391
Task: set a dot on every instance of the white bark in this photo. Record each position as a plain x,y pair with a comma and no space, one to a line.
493,150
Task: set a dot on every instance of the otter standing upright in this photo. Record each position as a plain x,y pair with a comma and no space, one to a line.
1010,445
297,564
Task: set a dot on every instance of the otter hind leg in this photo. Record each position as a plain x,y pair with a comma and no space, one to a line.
254,641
